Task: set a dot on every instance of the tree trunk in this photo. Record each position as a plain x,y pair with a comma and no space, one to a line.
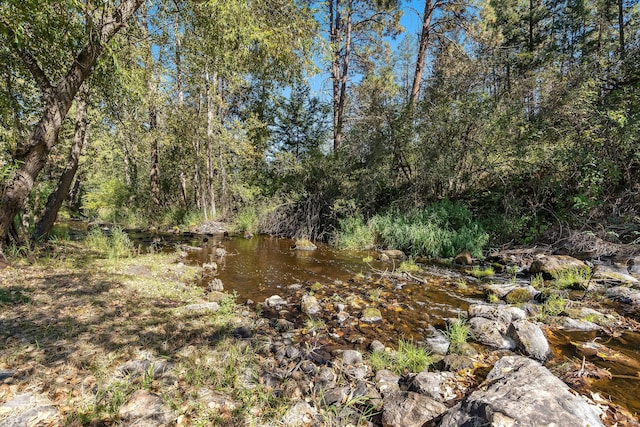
58,99
55,200
422,53
339,63
621,28
209,86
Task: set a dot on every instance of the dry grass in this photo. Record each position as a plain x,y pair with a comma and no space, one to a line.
69,322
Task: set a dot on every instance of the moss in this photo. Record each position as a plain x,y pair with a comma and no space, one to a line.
518,296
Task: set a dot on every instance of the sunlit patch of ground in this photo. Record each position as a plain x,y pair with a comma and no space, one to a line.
71,321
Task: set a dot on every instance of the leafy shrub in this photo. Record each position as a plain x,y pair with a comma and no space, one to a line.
353,233
246,220
117,245
441,229
576,278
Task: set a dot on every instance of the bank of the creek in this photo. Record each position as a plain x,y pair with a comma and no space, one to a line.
312,319
258,268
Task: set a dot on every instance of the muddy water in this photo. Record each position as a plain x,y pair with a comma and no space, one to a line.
263,266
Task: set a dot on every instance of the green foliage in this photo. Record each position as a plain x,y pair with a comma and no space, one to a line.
480,272
458,332
440,229
576,278
409,266
518,296
537,281
554,305
115,245
108,201
353,233
410,358
246,220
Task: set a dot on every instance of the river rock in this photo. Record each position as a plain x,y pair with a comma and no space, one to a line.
310,305
23,409
216,285
614,275
436,342
145,409
209,306
550,265
529,339
393,254
504,289
409,409
579,325
463,258
275,301
440,386
625,295
351,357
457,362
300,415
387,382
520,392
325,378
304,245
371,315
633,266
376,346
220,252
335,396
210,266
490,332
503,314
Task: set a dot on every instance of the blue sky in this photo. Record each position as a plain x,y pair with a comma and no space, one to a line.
411,21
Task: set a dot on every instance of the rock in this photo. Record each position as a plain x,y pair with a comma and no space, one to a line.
351,357
612,274
335,396
215,401
440,386
210,266
242,332
490,332
292,352
275,301
579,325
28,409
325,378
383,257
144,409
457,362
140,367
394,254
211,228
550,265
625,295
6,373
503,314
371,315
304,245
409,409
463,258
516,294
436,342
529,339
387,382
633,266
376,346
216,285
248,235
209,306
520,392
300,415
309,305
342,316
220,252
216,296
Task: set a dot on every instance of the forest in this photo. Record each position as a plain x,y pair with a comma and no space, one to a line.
329,120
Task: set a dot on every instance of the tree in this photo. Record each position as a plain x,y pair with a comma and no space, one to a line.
356,28
101,23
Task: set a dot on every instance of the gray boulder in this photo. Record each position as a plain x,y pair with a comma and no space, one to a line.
529,339
520,392
504,314
310,305
490,332
300,414
409,409
440,386
436,342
